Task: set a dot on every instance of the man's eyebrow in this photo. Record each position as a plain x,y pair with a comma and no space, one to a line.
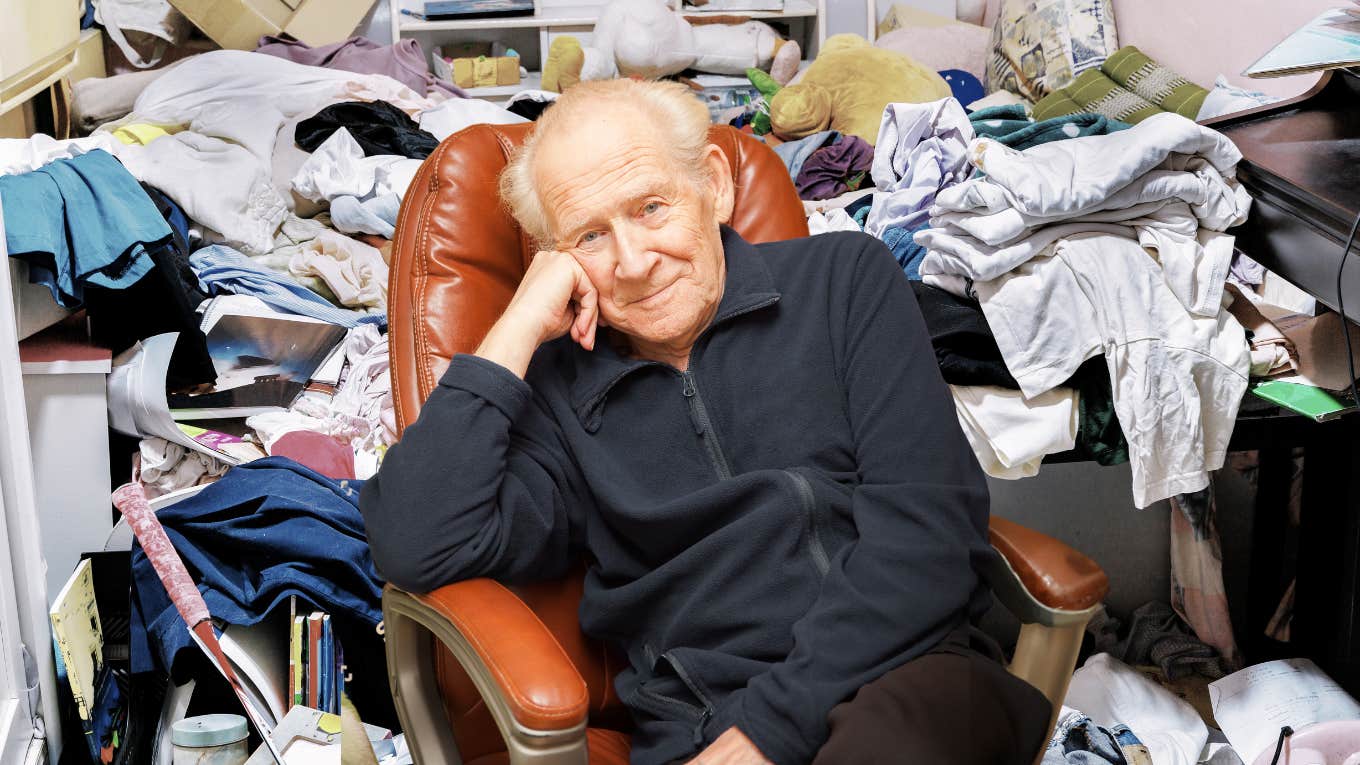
579,225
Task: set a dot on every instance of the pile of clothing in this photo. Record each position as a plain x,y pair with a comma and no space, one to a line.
1071,272
275,174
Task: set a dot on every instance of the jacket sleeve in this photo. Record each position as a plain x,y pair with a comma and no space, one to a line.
480,485
920,510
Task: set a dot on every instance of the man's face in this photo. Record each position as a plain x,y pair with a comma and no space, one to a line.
644,233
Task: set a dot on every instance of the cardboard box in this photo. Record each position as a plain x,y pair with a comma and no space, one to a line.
477,70
240,24
900,16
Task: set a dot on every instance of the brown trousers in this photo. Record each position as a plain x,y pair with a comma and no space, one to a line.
952,706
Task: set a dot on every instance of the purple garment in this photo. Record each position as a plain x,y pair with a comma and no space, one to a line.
827,172
403,62
1246,271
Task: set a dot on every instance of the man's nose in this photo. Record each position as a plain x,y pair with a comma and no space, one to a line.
636,259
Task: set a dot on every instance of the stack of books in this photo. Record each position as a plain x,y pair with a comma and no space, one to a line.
316,662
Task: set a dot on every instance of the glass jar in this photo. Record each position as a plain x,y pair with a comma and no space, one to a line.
210,740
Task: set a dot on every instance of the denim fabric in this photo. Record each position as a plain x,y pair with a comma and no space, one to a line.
904,248
267,530
222,269
1079,741
81,220
795,153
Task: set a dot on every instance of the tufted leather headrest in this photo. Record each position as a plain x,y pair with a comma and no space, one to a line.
458,255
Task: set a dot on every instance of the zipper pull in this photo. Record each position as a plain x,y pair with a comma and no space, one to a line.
689,383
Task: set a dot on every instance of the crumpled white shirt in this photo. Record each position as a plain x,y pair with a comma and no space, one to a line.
24,155
338,168
921,149
1011,434
1177,377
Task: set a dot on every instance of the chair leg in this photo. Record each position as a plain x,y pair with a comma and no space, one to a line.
1045,657
415,690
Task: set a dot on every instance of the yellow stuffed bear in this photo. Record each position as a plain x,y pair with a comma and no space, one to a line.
847,87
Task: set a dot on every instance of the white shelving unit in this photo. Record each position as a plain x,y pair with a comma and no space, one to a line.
570,17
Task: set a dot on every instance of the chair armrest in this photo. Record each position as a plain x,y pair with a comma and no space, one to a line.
1039,578
533,691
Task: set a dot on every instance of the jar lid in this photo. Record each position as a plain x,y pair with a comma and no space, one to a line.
209,730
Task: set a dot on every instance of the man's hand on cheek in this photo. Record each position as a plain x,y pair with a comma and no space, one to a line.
556,297
731,748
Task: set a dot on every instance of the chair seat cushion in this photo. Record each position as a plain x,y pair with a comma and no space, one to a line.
607,747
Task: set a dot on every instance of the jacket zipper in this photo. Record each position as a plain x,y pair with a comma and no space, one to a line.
809,506
698,694
703,426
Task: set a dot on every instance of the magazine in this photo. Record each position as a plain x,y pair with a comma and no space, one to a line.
1330,41
263,358
137,405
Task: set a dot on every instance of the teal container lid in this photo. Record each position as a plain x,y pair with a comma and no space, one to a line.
209,730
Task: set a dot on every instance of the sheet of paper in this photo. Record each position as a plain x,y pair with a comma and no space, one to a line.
1251,705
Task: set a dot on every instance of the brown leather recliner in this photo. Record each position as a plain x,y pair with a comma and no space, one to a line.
482,673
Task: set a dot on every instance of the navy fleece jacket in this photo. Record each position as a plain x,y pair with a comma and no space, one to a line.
786,521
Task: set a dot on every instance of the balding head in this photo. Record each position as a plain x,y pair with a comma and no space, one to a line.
665,114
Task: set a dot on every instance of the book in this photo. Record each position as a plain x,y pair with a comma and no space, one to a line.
1308,400
263,358
1329,41
327,680
314,660
297,663
80,643
436,9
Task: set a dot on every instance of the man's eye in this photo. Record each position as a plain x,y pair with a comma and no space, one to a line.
650,208
589,237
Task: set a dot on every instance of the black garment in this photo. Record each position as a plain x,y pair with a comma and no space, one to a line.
964,344
378,127
782,523
529,108
953,705
162,301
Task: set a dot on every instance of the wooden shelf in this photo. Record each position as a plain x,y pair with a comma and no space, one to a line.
581,16
568,16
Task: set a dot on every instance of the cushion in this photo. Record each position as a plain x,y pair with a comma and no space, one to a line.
952,46
1039,46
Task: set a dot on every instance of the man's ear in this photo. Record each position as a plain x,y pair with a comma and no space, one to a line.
720,182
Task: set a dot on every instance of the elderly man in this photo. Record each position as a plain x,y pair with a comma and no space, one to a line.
752,444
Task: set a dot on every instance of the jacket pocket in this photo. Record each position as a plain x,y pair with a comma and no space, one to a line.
671,693
812,526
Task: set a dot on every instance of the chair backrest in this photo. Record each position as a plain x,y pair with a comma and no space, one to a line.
456,261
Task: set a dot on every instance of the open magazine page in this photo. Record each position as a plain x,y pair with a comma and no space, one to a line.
137,404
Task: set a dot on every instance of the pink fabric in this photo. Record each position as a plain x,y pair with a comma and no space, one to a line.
325,454
1197,592
955,46
403,62
130,500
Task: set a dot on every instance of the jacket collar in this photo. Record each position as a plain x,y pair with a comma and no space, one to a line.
749,287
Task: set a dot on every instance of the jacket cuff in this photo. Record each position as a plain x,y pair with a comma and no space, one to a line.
776,736
489,381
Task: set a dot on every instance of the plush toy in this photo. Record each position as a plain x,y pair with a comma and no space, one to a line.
846,89
649,39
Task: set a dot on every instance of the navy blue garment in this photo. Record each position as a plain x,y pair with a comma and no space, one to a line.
904,248
963,85
764,541
81,220
268,529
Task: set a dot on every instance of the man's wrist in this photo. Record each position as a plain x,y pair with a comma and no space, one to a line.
510,343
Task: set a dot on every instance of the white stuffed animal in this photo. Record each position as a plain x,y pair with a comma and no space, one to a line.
649,39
